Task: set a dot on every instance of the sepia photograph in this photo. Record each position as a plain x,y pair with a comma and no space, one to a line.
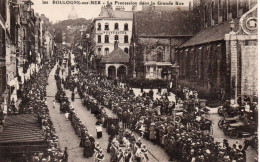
128,81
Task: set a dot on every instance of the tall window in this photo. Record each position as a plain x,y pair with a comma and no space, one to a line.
126,39
99,51
106,51
99,26
228,8
212,11
219,7
126,50
126,26
106,26
205,15
106,39
99,38
116,37
224,10
116,26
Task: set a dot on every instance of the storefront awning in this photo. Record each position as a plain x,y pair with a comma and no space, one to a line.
21,128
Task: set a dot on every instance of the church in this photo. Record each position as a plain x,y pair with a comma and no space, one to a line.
73,14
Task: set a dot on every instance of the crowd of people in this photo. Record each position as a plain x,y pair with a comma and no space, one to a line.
126,147
87,140
154,118
34,100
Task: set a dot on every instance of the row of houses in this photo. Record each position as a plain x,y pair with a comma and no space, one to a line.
25,44
209,45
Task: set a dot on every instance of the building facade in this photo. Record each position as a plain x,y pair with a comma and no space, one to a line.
110,26
155,37
21,47
211,61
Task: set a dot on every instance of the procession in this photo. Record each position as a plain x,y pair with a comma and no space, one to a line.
144,82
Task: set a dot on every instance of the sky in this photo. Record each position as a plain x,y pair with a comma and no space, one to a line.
59,12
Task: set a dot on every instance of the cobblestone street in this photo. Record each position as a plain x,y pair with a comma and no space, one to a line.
64,129
155,153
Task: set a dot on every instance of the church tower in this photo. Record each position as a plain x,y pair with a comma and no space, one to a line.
73,14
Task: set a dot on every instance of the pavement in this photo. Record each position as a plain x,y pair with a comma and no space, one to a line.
89,121
156,153
219,135
68,138
64,129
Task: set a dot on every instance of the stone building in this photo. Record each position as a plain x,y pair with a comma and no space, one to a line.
110,26
156,34
3,84
213,61
116,63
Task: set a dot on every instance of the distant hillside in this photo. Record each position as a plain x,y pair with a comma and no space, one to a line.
61,26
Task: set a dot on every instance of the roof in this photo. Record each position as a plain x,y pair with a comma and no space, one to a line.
154,23
21,128
112,14
211,34
116,56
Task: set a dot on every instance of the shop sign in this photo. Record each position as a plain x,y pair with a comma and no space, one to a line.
111,32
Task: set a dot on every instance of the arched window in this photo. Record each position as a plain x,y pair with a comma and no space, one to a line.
116,37
126,39
99,26
106,26
116,26
99,38
106,51
126,50
106,39
99,51
126,26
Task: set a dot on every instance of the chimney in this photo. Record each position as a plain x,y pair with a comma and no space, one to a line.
120,8
116,45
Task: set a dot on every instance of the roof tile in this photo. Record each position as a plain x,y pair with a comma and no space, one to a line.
116,56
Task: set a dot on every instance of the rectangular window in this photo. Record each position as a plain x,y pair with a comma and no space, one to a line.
106,27
99,38
106,39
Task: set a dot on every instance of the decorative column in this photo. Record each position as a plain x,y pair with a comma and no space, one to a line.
106,70
116,70
231,38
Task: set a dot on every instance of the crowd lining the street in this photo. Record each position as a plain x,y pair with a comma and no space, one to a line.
153,119
34,100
